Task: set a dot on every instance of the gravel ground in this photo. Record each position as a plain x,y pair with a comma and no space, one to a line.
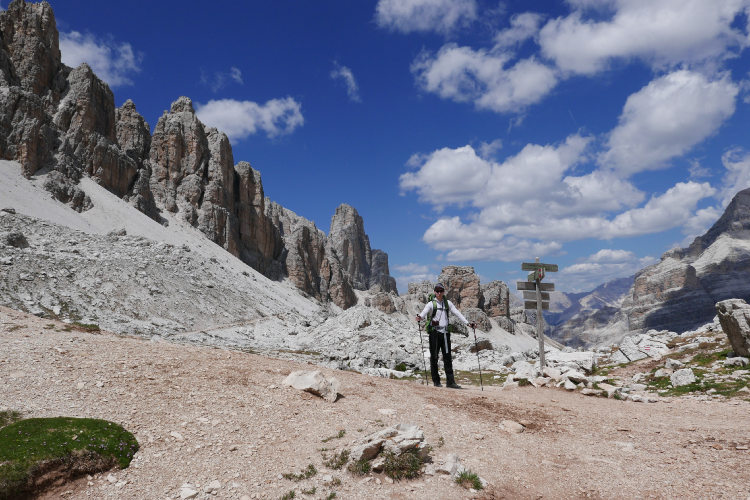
212,417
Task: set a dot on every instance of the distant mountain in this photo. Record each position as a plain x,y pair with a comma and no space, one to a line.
585,312
678,293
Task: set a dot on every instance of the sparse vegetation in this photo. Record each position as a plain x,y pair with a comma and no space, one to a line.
338,460
309,472
360,467
86,327
288,495
401,367
469,479
311,491
407,465
7,417
331,495
340,434
32,447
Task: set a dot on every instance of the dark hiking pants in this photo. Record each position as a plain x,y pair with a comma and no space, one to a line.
441,342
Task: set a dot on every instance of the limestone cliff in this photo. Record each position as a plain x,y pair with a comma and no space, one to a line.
65,121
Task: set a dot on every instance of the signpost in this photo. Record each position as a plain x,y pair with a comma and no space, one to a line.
536,296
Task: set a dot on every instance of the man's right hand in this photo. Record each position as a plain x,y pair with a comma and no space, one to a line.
419,318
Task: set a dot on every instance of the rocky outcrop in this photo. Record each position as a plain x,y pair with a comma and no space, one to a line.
351,245
31,42
462,286
734,316
261,243
134,137
365,267
496,298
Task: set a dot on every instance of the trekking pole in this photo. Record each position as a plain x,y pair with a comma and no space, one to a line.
476,346
421,345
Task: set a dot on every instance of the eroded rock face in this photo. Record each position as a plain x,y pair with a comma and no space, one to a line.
462,286
31,40
261,242
86,120
380,275
734,316
496,298
351,245
134,138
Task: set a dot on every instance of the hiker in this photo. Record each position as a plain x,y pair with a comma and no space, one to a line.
439,309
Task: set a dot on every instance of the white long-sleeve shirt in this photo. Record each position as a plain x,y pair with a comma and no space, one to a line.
440,314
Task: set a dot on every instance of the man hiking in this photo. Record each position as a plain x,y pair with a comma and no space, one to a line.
439,309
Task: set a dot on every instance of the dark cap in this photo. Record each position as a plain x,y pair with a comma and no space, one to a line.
439,286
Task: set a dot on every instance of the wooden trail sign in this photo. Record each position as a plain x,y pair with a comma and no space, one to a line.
536,296
531,285
532,296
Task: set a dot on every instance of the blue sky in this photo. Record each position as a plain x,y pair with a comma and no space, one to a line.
595,134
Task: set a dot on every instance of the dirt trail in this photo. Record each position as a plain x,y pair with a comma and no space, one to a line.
203,414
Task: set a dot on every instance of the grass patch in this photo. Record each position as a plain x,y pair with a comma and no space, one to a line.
341,434
288,495
331,495
86,327
13,328
311,491
360,467
309,472
407,465
37,451
708,358
401,367
338,460
489,378
469,479
7,417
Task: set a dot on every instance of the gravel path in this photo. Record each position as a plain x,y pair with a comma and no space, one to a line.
211,417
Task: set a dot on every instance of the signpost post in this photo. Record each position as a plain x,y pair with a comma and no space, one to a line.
536,296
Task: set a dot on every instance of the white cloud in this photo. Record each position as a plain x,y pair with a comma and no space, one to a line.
664,33
667,118
219,79
411,273
345,74
737,177
442,16
448,176
522,27
489,79
611,255
113,62
239,119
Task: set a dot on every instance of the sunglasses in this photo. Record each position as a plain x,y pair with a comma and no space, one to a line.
439,291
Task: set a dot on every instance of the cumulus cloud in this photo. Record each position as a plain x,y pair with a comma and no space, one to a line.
114,62
667,118
661,32
491,79
442,16
736,161
345,74
219,79
239,119
522,27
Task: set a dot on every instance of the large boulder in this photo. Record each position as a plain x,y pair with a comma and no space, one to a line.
734,316
462,286
496,298
315,383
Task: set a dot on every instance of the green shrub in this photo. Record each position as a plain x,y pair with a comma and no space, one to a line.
407,465
309,472
338,460
401,367
360,467
73,446
469,479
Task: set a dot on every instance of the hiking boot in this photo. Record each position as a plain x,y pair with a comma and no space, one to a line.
454,386
438,384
